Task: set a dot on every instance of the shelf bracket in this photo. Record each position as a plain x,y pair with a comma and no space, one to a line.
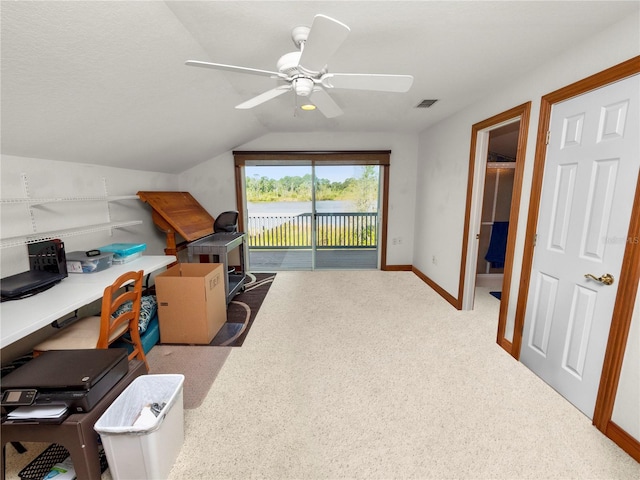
108,204
27,194
66,321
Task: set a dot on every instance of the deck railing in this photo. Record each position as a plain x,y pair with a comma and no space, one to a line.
333,230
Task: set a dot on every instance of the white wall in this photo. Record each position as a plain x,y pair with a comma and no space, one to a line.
444,151
212,183
626,411
54,179
444,157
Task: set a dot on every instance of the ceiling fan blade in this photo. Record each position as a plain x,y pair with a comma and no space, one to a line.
325,37
323,101
264,97
368,81
234,68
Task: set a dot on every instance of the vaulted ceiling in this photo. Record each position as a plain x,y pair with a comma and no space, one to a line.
104,82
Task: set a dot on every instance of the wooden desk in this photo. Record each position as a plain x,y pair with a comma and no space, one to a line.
20,318
76,433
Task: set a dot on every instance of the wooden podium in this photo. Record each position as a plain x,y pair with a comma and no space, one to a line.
178,213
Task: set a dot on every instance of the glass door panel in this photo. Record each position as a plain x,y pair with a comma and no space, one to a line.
279,217
346,216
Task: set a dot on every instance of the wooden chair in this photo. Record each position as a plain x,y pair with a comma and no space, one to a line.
100,332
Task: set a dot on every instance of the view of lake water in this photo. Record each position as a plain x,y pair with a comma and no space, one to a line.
289,208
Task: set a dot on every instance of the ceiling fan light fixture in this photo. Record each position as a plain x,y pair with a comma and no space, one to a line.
308,107
303,86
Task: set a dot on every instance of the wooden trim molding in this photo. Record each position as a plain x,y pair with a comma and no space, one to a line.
351,157
385,217
532,224
441,291
398,268
239,196
505,344
625,441
621,320
513,226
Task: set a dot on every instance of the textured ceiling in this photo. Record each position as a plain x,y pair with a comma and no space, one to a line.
105,82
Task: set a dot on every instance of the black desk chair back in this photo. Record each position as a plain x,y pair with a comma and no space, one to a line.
226,222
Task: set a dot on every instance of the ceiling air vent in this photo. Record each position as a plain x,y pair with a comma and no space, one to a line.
426,103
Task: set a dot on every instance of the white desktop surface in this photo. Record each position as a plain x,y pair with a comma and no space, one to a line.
20,318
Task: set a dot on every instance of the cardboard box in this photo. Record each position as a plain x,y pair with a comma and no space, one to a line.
191,302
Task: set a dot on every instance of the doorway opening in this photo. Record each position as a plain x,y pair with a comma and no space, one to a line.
493,201
496,207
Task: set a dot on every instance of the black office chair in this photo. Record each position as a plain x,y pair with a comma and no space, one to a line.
226,222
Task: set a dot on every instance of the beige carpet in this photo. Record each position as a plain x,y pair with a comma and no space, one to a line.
371,375
199,364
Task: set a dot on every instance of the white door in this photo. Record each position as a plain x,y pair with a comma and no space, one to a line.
591,172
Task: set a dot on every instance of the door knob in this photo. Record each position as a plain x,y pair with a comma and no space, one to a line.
607,278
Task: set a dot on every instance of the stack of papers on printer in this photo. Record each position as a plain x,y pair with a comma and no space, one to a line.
38,412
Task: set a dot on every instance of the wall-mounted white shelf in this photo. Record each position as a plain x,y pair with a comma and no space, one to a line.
42,201
37,236
69,232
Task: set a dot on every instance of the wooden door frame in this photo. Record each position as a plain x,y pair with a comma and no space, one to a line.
629,275
521,112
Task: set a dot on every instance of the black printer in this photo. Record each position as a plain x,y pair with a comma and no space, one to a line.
75,378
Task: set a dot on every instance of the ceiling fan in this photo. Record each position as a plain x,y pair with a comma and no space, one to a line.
305,71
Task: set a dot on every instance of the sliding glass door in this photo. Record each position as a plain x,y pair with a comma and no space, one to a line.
313,209
305,216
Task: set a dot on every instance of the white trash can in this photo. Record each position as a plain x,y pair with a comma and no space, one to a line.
137,443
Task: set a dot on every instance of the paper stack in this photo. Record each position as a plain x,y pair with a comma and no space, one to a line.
38,412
